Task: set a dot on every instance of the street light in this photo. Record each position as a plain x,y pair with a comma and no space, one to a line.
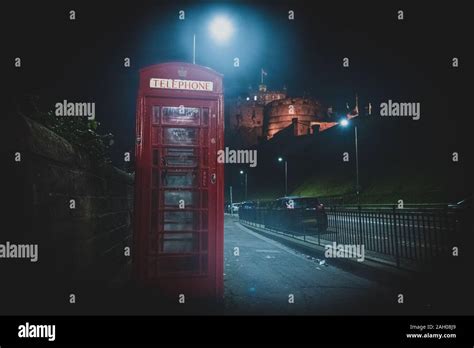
241,173
345,123
280,159
220,28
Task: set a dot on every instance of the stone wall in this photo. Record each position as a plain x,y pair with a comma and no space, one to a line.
83,246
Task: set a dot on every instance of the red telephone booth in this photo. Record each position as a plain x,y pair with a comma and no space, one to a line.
179,185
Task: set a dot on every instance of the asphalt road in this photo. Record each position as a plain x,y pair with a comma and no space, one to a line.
266,275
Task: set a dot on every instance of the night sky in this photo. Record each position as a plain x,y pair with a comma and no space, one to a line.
82,60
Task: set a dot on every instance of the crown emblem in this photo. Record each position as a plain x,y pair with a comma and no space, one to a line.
182,72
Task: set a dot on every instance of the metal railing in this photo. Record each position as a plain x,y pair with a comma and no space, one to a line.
399,236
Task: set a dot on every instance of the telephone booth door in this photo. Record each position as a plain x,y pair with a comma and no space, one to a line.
179,184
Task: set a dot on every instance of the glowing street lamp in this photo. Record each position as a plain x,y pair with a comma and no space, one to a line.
344,122
220,28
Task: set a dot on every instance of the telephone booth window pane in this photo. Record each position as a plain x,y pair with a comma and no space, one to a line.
204,220
156,114
155,157
154,222
180,136
181,157
180,115
155,137
154,200
204,264
180,221
172,198
155,178
180,179
178,242
204,241
205,117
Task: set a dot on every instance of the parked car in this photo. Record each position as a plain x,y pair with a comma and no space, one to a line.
298,215
235,207
247,210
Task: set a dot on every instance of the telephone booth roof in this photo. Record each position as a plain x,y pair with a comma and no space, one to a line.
184,64
178,74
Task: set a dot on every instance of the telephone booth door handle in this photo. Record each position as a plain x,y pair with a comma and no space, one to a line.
213,178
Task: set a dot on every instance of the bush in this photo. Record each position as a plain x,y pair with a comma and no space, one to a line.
78,131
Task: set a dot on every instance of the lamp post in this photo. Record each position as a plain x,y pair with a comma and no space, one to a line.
345,123
194,48
245,179
357,163
280,159
231,203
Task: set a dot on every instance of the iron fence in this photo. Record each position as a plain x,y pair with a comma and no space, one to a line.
399,236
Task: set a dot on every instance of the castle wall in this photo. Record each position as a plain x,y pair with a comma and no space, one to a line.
279,114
